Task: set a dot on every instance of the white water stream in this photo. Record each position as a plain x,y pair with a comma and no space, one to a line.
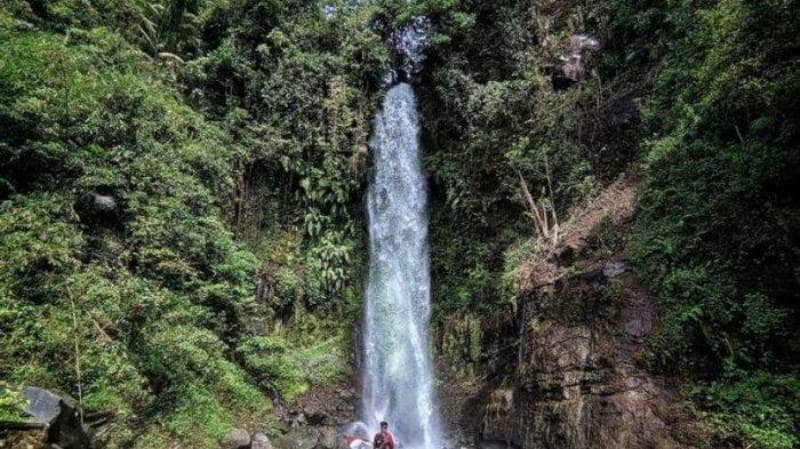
398,372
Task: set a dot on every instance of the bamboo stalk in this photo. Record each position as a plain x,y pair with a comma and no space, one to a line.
76,335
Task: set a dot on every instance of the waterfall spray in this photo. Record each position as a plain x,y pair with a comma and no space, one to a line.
398,374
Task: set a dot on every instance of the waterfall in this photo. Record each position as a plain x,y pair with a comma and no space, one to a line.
398,373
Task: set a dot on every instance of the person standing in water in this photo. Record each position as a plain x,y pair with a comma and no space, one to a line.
383,439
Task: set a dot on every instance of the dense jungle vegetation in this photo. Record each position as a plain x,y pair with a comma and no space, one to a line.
182,226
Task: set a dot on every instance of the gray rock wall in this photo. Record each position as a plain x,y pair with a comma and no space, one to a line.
578,380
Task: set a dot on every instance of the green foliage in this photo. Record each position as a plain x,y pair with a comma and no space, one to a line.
267,358
145,300
716,237
308,88
290,369
12,404
163,29
199,418
760,410
461,343
513,258
493,115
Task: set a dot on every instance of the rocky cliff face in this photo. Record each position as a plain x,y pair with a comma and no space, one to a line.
578,381
575,375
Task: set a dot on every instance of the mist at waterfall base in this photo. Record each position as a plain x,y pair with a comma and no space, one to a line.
398,372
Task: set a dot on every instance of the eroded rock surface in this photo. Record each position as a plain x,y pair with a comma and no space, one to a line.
578,383
575,375
316,419
236,439
260,441
580,45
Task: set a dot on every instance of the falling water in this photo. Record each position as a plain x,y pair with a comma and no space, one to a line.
410,42
398,380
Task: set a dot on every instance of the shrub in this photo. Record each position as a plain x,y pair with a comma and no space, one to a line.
760,409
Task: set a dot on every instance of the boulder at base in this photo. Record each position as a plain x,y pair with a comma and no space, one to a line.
236,439
59,415
304,437
260,441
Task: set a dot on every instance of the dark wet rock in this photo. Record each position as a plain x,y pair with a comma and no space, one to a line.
575,380
347,394
494,444
568,369
236,439
322,406
99,209
58,414
45,406
298,420
614,268
298,438
622,110
327,438
565,256
410,42
265,290
260,441
578,383
574,67
314,415
389,79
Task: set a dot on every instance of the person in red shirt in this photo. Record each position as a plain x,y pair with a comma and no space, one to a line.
384,439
